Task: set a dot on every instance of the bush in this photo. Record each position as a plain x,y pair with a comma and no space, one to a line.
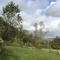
1,44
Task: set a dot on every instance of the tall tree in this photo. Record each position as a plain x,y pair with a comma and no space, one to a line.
35,25
10,12
41,30
10,20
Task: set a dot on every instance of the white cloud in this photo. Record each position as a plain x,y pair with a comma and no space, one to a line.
31,5
54,10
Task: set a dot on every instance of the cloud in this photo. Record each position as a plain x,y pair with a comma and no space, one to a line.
31,5
54,10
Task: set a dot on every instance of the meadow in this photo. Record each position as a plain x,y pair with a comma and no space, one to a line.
19,53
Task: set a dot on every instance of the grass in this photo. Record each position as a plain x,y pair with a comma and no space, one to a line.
18,53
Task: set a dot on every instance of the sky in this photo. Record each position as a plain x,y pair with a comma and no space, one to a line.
34,11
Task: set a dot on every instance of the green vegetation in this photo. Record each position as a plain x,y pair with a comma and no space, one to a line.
18,53
55,43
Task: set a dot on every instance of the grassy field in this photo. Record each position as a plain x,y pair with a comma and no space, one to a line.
18,53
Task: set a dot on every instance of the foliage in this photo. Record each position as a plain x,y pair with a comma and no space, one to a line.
43,44
11,14
1,44
11,9
7,32
55,43
8,29
39,34
24,37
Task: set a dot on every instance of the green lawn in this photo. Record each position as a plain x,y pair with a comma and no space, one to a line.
18,53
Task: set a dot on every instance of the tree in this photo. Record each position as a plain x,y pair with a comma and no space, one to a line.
24,37
4,33
42,33
35,32
39,34
10,10
9,22
55,43
10,13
